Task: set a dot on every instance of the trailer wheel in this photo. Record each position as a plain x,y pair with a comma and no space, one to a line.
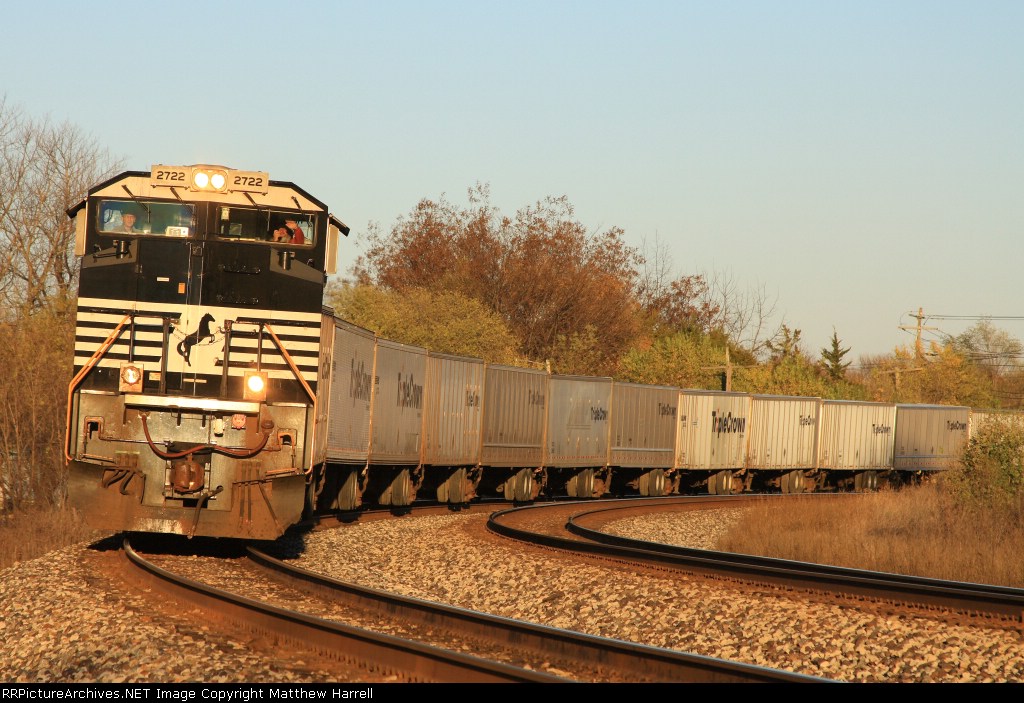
349,495
581,485
400,490
794,482
520,487
722,483
456,489
865,481
652,483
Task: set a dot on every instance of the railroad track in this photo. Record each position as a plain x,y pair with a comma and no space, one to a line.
407,660
577,527
585,657
575,656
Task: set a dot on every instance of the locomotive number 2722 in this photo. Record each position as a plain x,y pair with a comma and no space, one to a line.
170,176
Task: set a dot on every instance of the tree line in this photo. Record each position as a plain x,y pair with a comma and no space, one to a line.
539,288
45,167
534,288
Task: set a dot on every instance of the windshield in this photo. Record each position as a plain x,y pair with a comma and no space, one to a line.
145,217
262,225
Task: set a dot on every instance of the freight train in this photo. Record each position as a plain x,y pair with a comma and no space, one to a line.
214,395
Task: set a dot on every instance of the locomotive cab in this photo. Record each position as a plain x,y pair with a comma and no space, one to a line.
197,351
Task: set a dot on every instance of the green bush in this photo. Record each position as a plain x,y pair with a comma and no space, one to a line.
992,470
445,322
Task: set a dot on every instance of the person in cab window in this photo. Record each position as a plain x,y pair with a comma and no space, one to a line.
290,233
127,226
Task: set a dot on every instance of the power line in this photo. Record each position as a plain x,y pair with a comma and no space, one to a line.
975,317
920,317
976,355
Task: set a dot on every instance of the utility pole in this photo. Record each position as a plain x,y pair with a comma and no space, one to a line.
727,368
920,317
895,373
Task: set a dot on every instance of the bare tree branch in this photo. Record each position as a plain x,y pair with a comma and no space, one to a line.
44,169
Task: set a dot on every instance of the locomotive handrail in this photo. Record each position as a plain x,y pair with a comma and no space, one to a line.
93,360
309,391
291,363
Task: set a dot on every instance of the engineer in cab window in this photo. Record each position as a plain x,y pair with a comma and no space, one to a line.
128,217
290,233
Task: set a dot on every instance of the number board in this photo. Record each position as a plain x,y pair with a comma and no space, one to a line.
251,181
170,176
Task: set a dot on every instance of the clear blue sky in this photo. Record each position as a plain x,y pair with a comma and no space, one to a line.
857,159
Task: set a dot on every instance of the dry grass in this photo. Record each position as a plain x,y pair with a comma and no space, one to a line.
27,534
919,531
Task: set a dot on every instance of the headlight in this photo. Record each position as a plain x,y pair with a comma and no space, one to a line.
209,178
255,386
131,378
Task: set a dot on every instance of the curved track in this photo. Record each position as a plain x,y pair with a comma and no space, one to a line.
332,641
576,527
614,660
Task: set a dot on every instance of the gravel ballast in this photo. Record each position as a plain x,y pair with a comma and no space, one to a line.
59,621
436,559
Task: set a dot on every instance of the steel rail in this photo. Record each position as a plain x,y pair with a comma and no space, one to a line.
330,640
623,661
976,600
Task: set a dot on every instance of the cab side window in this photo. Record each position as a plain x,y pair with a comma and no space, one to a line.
145,217
258,225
